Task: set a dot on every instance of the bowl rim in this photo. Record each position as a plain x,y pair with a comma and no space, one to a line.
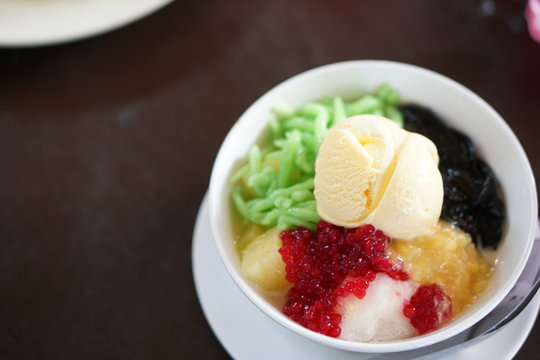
371,347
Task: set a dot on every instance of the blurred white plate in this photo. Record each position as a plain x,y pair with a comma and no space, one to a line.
247,333
47,22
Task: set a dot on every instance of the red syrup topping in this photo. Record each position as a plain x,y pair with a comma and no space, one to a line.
428,308
318,263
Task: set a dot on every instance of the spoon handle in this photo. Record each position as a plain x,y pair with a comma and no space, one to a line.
511,306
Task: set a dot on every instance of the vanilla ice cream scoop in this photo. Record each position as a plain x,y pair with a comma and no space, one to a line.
370,171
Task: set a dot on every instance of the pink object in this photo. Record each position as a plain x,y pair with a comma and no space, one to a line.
532,13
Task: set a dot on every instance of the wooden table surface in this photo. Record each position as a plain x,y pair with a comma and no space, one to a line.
106,147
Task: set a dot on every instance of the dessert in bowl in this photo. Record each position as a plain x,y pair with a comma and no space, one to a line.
384,154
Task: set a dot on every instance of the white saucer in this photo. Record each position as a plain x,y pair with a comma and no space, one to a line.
46,22
247,333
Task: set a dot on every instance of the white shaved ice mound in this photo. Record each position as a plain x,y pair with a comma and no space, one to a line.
379,315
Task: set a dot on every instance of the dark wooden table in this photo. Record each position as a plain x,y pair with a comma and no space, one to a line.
106,147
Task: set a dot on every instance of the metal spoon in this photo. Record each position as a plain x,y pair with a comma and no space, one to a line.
510,307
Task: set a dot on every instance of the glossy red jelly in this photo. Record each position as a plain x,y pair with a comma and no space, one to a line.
318,263
428,308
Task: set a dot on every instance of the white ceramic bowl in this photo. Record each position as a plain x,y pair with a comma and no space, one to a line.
459,107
